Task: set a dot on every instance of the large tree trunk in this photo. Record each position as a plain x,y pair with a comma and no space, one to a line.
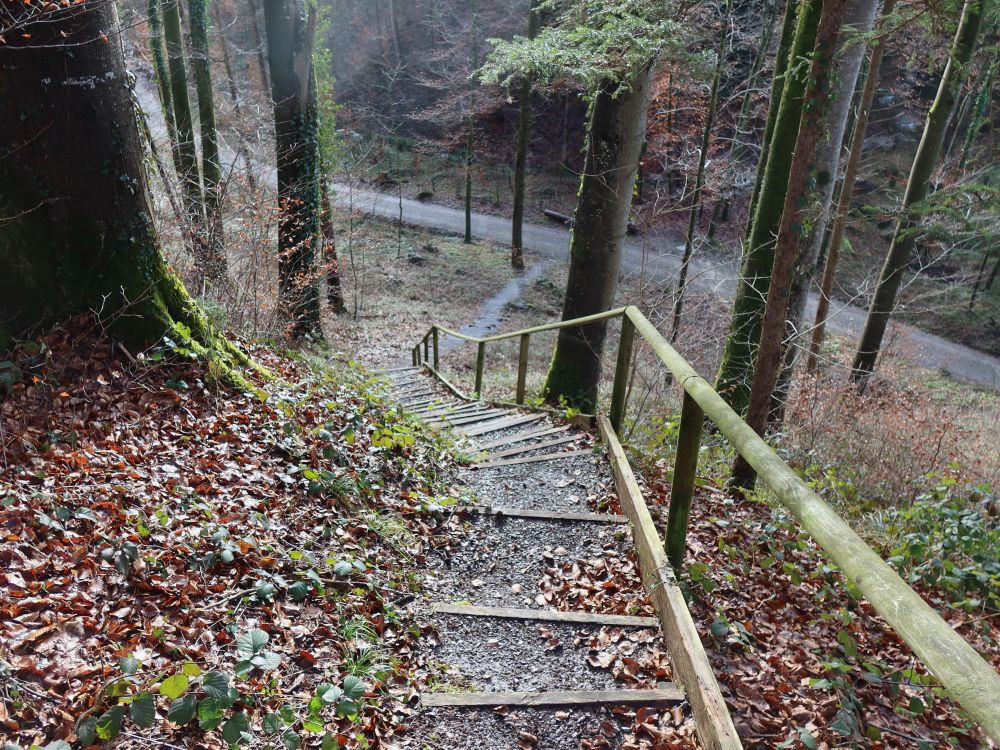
76,231
917,187
614,141
791,248
739,355
859,17
290,43
699,178
189,175
211,170
843,207
521,160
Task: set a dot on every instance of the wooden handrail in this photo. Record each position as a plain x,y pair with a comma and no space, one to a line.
970,679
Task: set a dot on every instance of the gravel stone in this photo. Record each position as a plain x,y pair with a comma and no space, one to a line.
568,484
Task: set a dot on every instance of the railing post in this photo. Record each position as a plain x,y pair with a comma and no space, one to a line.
434,333
620,389
682,487
522,367
480,362
426,346
415,356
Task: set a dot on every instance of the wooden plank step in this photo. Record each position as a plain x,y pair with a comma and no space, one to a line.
529,434
472,418
542,615
656,697
535,446
408,398
390,370
436,400
545,515
503,424
532,459
412,388
433,412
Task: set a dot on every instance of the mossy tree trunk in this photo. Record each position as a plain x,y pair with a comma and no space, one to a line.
739,355
917,188
189,175
615,136
792,243
843,206
296,133
162,75
521,159
859,17
76,231
211,170
699,178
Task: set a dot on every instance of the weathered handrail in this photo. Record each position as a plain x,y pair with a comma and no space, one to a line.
969,678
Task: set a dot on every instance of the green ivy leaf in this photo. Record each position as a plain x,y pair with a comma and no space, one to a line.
273,723
128,665
210,714
86,731
250,643
342,568
142,710
267,661
328,693
109,725
182,711
298,591
291,740
215,684
330,742
354,687
233,731
174,686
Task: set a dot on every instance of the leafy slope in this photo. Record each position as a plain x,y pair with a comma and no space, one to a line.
200,567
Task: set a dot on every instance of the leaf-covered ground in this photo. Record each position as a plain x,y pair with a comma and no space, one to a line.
185,565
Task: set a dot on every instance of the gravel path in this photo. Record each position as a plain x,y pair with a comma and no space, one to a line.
567,484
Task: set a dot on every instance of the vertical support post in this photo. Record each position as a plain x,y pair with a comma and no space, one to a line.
415,356
434,333
682,487
620,389
480,362
522,367
426,346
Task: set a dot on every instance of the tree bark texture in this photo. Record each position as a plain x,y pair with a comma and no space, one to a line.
76,229
614,141
917,188
521,159
211,170
843,207
163,81
290,43
793,243
739,355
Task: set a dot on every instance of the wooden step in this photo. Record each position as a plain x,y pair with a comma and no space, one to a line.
503,424
519,437
668,693
542,615
535,446
545,515
532,459
471,418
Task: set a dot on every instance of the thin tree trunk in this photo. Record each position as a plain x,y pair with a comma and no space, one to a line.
234,96
859,16
334,290
189,176
211,170
521,160
614,141
917,188
739,355
163,82
82,239
789,25
468,181
290,45
763,44
791,248
259,48
699,179
843,207
979,114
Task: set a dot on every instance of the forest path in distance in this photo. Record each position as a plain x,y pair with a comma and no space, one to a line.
659,257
